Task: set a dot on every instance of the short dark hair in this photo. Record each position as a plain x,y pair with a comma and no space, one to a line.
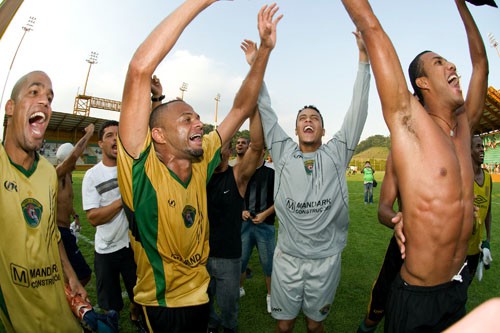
313,108
416,70
105,125
155,114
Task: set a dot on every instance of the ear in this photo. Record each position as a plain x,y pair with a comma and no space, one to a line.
296,131
99,143
9,108
323,132
422,83
157,135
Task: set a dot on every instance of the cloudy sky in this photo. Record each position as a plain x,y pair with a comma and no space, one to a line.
314,62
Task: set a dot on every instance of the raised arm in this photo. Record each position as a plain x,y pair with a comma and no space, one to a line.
476,94
136,102
253,156
389,77
68,165
246,98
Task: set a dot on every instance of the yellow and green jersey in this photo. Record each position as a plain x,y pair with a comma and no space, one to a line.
32,295
168,225
482,200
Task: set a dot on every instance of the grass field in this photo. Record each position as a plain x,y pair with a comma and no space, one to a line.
361,260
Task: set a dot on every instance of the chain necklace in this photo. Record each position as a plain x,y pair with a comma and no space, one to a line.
452,129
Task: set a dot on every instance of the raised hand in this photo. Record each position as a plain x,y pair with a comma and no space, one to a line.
156,87
266,25
250,49
363,55
90,128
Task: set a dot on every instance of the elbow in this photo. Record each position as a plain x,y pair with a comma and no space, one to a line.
92,218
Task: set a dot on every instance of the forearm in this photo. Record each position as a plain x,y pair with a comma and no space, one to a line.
385,215
487,225
476,45
69,273
246,98
269,211
103,215
355,117
161,40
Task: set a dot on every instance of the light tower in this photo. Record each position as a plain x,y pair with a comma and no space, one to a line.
183,88
217,100
493,42
92,60
27,28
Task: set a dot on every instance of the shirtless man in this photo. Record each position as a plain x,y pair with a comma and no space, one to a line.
67,162
435,141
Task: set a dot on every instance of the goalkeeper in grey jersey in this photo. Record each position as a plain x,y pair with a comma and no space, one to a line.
311,202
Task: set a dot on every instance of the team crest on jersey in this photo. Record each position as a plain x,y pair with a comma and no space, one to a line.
189,214
308,165
32,211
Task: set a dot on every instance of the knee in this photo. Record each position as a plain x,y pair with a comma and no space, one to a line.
314,326
285,326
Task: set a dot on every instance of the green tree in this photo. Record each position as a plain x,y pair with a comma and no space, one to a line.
373,141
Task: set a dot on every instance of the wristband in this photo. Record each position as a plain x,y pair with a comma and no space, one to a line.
158,99
76,216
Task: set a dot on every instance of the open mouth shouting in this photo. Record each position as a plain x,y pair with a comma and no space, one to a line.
37,123
454,80
308,129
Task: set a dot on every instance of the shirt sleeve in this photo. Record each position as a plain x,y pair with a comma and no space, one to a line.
274,135
347,138
90,196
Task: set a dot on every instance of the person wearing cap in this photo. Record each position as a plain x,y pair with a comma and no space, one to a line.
67,156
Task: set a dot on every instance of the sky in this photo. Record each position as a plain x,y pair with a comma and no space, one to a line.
314,62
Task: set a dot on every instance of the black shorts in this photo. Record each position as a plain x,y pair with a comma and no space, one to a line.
426,309
382,286
108,268
472,263
75,257
192,319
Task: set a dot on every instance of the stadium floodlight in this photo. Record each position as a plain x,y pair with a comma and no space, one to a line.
183,88
27,28
92,60
217,100
494,43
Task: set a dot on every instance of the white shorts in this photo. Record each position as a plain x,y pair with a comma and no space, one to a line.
307,284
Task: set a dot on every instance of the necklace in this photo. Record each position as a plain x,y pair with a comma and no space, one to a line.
452,129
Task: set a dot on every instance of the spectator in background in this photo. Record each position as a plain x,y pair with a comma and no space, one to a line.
67,156
225,193
103,203
257,229
483,187
241,148
368,182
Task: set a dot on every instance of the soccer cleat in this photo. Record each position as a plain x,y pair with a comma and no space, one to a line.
268,302
242,292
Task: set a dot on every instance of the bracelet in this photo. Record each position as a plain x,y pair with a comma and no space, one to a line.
157,99
76,216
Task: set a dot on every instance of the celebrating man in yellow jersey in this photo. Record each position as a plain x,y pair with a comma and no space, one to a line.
33,262
164,164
